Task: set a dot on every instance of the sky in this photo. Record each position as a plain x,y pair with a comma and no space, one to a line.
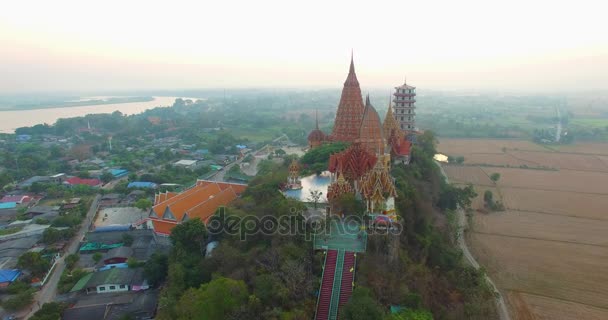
532,45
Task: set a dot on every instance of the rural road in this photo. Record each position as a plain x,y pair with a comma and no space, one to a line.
503,312
49,290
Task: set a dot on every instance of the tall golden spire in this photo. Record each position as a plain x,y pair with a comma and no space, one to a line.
390,125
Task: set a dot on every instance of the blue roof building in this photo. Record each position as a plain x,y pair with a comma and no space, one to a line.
7,276
118,173
8,205
142,184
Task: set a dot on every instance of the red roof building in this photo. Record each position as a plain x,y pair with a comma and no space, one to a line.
16,199
350,109
353,162
73,181
201,202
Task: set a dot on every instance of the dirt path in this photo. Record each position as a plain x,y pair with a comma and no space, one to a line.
462,224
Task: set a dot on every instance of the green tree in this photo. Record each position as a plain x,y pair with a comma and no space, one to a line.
189,236
49,311
19,301
143,204
106,177
156,268
34,262
488,197
314,197
216,300
97,257
71,260
127,239
411,314
362,306
495,177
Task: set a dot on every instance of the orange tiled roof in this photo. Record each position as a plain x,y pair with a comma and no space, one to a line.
205,210
200,201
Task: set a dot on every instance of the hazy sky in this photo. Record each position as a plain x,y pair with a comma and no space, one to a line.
106,45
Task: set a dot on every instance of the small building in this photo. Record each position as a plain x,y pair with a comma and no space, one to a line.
112,280
117,255
188,164
118,173
39,211
142,184
18,199
8,205
35,179
8,276
74,181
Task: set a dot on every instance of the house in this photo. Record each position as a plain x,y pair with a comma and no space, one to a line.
117,255
35,179
112,280
18,199
136,306
7,276
74,181
200,201
119,173
188,164
110,199
47,212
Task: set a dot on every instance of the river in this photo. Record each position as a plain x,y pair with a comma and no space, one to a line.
12,119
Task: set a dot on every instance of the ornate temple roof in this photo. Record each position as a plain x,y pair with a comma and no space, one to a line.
370,131
350,109
294,167
338,188
353,162
377,184
316,134
390,126
400,145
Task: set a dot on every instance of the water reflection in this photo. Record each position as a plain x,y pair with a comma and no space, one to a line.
312,182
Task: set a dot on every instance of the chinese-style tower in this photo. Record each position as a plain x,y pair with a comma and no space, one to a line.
350,109
405,100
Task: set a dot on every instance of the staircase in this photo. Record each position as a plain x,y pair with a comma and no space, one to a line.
348,276
327,284
336,284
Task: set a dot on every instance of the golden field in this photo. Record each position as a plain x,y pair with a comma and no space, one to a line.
548,252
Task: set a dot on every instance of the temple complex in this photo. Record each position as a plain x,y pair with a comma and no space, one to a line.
363,169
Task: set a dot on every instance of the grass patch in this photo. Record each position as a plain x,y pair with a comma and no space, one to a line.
4,232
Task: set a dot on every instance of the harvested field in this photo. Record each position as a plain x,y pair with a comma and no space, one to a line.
564,180
582,205
585,148
534,225
565,271
456,147
548,251
561,161
496,159
545,308
462,174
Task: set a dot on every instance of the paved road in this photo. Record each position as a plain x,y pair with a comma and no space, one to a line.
49,290
503,312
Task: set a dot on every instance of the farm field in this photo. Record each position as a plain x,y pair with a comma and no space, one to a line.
548,250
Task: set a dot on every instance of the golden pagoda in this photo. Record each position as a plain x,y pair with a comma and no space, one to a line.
293,179
377,185
336,190
390,125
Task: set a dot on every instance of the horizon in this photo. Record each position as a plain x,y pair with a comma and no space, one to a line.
466,46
